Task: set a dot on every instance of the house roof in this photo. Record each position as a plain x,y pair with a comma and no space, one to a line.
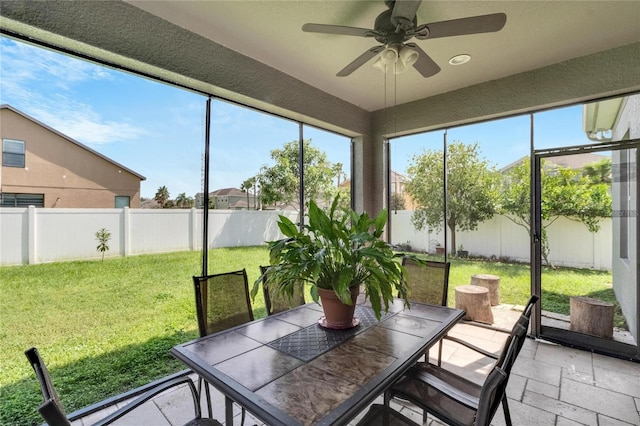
71,140
573,161
229,191
239,204
397,177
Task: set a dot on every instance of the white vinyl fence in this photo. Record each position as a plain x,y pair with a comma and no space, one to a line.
570,243
30,235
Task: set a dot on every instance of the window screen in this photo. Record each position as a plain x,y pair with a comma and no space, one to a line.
21,200
12,153
123,201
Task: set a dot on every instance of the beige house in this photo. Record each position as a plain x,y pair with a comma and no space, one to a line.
45,168
574,161
232,199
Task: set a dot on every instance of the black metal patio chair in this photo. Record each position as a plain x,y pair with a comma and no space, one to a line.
222,302
428,282
52,410
457,400
382,415
274,300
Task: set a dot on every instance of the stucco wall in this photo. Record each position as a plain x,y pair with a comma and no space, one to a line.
66,173
625,269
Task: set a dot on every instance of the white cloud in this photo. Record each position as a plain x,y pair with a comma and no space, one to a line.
41,83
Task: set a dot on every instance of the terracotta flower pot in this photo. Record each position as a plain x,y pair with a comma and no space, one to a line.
338,315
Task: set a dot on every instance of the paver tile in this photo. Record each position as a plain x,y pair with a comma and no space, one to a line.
612,404
562,409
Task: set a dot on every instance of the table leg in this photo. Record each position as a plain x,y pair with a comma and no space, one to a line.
228,411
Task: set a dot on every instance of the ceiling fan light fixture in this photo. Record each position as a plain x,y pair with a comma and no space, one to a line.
460,59
379,65
408,56
400,67
389,55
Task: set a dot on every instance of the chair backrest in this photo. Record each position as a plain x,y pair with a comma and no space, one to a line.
222,301
495,385
51,409
274,300
491,395
523,321
428,282
529,307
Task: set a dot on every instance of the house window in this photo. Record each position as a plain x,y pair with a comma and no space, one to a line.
21,200
12,153
123,201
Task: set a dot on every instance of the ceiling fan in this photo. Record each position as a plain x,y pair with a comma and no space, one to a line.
394,27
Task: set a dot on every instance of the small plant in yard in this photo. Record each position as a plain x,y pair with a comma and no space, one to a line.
404,246
103,236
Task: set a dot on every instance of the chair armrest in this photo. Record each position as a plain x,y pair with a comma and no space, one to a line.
149,395
444,388
473,347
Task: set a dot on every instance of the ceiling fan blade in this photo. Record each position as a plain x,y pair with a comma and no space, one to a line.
337,29
404,10
463,26
360,61
424,65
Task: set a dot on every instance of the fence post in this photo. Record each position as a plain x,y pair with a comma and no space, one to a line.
31,238
126,231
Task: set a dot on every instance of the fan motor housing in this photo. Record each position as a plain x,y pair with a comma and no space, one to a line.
386,31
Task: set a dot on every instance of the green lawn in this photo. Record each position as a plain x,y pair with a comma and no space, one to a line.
102,328
106,327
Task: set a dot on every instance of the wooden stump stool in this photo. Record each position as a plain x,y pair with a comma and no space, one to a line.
591,316
474,300
492,283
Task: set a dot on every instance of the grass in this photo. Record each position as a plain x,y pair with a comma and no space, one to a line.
106,327
558,284
101,327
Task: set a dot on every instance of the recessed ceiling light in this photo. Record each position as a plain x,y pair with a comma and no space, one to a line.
460,59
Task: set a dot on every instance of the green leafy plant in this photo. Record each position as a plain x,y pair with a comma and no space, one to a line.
337,250
103,236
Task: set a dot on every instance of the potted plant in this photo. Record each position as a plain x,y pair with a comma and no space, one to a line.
338,253
439,248
462,252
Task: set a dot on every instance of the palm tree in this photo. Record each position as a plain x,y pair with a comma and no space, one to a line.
246,186
183,201
599,172
162,196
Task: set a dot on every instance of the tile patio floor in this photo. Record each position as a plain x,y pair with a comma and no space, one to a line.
549,385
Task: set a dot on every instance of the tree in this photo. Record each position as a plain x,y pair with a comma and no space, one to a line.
246,186
565,192
183,201
339,174
599,172
471,189
103,236
280,183
162,196
397,201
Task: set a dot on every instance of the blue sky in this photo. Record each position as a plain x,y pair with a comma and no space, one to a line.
158,130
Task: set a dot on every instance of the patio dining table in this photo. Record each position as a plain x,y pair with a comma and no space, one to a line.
287,369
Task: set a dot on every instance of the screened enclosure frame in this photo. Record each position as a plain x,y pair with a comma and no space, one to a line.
558,335
608,347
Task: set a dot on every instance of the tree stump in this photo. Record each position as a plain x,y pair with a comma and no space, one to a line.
474,300
591,316
492,283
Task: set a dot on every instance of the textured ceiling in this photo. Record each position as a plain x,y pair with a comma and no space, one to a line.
537,34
